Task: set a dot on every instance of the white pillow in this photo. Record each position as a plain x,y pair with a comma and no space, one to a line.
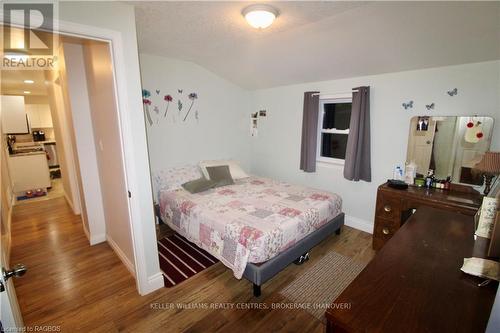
171,179
234,168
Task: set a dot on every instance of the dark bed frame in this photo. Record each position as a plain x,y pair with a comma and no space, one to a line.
258,274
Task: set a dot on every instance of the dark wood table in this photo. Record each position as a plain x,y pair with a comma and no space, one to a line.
414,283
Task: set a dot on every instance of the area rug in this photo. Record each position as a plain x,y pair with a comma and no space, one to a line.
322,283
181,259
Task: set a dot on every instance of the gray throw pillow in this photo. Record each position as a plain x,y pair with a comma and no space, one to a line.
220,174
199,185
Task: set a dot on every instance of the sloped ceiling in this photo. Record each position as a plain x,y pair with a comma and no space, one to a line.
314,41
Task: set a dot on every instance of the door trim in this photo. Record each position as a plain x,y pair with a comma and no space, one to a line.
137,175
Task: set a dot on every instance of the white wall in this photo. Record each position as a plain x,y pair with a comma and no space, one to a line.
74,77
99,72
63,133
119,19
222,128
36,99
276,151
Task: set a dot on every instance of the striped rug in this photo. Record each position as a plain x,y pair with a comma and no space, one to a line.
181,259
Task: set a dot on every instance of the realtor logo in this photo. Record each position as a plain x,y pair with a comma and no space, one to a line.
28,38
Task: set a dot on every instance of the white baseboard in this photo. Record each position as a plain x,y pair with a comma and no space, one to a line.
155,282
96,239
121,255
359,224
70,203
85,231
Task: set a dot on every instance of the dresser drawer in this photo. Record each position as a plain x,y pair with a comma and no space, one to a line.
383,231
388,208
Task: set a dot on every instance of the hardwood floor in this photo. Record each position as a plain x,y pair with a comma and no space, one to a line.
87,289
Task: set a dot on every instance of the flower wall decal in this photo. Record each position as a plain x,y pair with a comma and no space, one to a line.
146,102
157,111
193,97
150,104
168,99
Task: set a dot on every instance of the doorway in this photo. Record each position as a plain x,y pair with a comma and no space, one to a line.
63,164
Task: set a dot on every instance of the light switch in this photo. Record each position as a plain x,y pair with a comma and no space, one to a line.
101,146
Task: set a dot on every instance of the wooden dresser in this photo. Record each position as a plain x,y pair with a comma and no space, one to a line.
414,283
395,206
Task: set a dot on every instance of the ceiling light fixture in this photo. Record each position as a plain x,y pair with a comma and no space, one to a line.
260,16
29,81
26,92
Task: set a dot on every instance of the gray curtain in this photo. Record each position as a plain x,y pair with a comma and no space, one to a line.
357,160
309,132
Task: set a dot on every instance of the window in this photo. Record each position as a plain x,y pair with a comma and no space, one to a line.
333,129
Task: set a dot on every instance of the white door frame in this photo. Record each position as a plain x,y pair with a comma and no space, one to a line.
145,284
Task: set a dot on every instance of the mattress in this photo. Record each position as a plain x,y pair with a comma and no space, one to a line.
251,221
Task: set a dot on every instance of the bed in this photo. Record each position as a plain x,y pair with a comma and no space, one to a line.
255,227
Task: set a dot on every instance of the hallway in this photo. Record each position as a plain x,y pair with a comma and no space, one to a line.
68,282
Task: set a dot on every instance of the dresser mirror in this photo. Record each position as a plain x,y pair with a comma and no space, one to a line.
450,146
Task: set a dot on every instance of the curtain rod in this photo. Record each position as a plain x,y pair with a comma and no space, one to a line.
337,93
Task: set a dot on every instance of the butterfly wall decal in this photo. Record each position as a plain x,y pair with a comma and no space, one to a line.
408,105
429,106
180,91
157,91
453,92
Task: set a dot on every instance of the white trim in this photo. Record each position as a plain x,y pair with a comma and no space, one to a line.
330,160
334,131
93,239
70,203
97,239
120,255
332,99
345,95
8,239
155,282
68,148
145,283
359,224
75,84
85,231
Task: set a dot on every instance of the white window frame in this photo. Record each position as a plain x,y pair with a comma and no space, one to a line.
341,98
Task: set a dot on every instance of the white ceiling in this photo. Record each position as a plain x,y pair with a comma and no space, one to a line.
314,41
12,82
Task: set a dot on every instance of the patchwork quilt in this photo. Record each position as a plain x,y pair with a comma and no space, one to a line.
251,221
